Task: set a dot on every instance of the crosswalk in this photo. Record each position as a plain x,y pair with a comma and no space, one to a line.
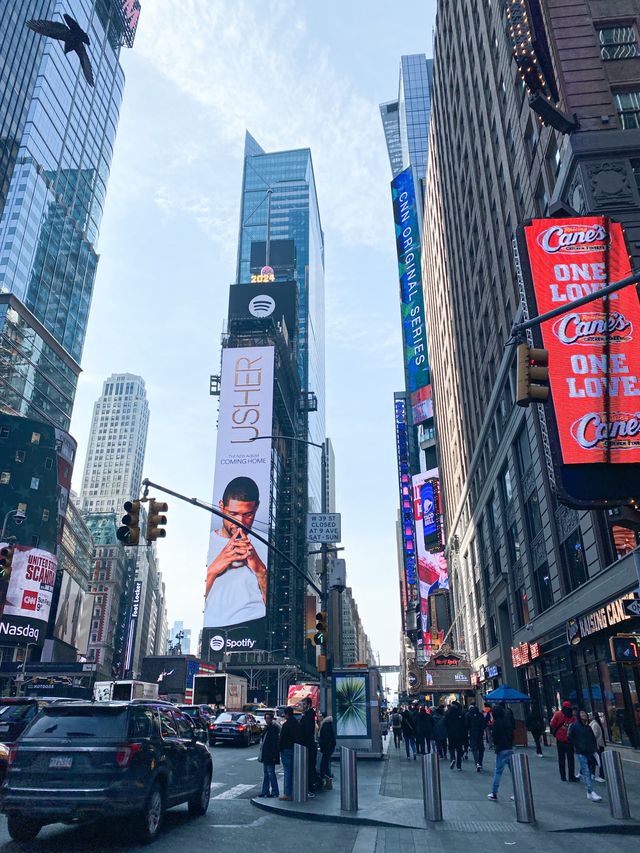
232,793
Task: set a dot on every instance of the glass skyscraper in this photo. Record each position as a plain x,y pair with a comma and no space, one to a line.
56,144
279,196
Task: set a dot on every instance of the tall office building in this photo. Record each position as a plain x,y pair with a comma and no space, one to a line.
280,227
117,441
273,359
56,142
527,571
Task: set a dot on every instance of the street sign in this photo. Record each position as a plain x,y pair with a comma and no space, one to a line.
323,527
625,648
632,607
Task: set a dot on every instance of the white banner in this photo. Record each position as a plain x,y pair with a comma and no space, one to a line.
33,576
236,584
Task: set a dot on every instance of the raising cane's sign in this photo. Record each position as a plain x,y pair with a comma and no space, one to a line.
569,259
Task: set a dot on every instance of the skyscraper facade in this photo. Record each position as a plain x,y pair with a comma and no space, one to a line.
279,207
528,573
117,441
56,143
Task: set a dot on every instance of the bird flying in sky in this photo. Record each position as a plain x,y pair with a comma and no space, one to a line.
73,36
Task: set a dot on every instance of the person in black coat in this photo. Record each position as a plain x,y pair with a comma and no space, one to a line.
534,725
424,731
308,728
440,731
456,733
327,744
290,734
409,733
269,756
476,726
502,733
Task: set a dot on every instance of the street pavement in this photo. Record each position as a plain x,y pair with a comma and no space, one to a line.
391,813
233,822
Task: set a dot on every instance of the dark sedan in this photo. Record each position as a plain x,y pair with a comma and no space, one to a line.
235,727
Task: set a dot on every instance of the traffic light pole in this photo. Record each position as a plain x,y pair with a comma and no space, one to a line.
149,484
518,328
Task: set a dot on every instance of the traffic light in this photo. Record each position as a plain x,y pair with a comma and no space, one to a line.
155,520
6,558
320,637
532,370
129,533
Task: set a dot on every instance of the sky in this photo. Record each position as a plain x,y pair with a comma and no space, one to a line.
295,74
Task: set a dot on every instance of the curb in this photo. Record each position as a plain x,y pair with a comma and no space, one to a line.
319,817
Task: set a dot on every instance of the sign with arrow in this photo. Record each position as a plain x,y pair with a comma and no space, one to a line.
632,607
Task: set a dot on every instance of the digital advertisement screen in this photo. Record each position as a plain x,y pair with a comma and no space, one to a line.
236,580
351,703
406,502
29,595
595,396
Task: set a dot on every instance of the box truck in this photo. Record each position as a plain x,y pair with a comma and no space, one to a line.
222,690
107,691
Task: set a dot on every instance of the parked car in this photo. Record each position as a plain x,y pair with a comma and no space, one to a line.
202,717
84,761
235,727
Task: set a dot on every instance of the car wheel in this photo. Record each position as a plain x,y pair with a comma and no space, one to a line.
150,819
21,828
199,803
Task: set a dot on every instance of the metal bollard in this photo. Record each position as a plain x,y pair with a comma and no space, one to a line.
348,780
300,773
431,792
525,812
618,800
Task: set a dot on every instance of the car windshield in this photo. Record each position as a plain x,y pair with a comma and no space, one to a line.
15,713
190,710
229,718
67,722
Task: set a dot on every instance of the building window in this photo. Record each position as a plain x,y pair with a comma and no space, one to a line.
532,516
48,463
45,515
544,594
5,477
574,563
507,487
493,632
20,455
34,541
618,42
628,108
4,432
35,483
35,438
513,543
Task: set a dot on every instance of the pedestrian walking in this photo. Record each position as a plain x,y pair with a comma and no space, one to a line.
423,732
409,733
534,725
440,731
308,732
488,720
475,727
290,734
585,746
269,756
327,744
502,734
559,725
396,725
456,734
597,727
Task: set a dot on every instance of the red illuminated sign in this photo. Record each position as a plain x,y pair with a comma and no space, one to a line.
571,258
525,653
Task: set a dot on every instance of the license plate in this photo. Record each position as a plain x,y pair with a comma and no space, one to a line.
61,762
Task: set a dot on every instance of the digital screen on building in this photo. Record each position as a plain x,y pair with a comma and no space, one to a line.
133,625
276,300
130,12
236,581
29,594
594,353
431,562
414,332
406,501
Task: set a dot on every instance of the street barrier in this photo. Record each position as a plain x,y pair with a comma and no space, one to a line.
348,780
300,773
618,800
525,812
431,793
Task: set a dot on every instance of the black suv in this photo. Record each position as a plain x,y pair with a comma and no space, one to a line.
84,761
202,716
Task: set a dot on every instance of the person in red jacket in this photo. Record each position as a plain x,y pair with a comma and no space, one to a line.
559,725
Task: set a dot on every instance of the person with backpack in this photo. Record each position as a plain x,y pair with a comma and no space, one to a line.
396,725
560,724
585,746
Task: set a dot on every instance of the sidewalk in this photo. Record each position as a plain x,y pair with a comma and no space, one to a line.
390,795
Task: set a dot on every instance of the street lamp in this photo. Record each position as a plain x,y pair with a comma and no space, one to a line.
324,582
19,516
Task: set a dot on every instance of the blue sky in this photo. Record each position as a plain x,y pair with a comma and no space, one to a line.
295,74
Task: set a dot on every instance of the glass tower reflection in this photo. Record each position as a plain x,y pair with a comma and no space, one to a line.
56,144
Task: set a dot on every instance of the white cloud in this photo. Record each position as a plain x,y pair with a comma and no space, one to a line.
249,65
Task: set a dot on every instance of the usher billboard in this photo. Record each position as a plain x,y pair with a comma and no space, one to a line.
594,352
